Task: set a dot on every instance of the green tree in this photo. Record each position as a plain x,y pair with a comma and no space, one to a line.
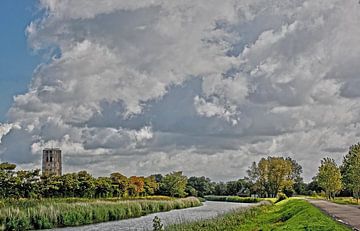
202,185
70,184
103,187
86,185
174,184
299,185
27,183
7,180
120,184
240,187
350,170
329,177
220,189
272,175
150,185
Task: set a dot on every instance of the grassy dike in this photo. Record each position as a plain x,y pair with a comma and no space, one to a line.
44,214
291,214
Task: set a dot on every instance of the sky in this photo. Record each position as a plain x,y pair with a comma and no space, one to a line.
17,62
205,87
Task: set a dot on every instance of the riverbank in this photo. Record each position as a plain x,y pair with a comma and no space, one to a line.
238,199
291,214
46,214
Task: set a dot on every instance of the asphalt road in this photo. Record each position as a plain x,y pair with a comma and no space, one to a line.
347,214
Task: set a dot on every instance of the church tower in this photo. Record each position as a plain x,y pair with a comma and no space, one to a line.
51,162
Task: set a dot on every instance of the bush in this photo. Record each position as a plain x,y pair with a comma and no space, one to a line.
281,197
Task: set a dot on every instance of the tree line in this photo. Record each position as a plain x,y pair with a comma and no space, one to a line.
265,178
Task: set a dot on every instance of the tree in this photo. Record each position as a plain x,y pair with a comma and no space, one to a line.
202,185
299,185
7,180
272,175
350,170
174,184
120,184
329,177
150,185
240,187
27,183
103,187
220,189
86,184
136,186
70,184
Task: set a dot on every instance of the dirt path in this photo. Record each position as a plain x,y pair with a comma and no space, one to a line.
348,214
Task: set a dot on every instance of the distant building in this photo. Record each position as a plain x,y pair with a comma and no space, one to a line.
51,162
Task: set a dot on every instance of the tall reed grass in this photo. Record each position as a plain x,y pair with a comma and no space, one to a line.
45,214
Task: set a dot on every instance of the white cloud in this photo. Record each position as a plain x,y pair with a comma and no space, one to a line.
216,81
6,128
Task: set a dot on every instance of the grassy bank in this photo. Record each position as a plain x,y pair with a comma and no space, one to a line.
238,199
346,201
50,213
291,214
339,200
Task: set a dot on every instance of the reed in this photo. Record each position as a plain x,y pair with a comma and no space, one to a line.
51,213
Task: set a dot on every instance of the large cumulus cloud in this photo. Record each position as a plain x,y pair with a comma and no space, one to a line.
154,86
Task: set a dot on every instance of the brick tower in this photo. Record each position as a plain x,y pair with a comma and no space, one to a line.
51,162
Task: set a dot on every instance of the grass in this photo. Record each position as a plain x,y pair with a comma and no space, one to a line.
340,200
290,214
50,213
239,199
346,201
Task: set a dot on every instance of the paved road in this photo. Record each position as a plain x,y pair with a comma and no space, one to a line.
348,214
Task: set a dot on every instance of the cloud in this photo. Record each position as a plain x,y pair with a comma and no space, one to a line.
192,85
4,130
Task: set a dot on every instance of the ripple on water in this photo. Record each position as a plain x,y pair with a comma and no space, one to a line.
208,210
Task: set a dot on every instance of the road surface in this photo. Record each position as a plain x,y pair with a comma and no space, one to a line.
347,214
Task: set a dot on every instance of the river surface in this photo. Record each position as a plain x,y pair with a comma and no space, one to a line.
208,210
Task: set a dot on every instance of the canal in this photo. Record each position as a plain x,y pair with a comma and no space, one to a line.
208,210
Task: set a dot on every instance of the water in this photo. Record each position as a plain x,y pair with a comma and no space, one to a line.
208,210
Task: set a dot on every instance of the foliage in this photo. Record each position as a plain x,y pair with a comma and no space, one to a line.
329,177
350,170
199,186
286,215
174,184
30,184
273,175
50,213
281,197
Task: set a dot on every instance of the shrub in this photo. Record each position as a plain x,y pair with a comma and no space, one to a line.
281,197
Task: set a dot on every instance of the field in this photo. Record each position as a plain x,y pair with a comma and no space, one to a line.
49,213
291,214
